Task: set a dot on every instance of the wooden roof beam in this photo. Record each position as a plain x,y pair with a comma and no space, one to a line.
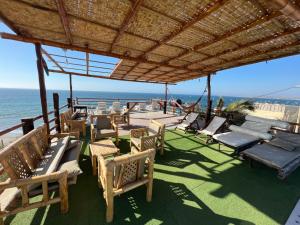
235,31
201,14
11,25
288,8
289,45
52,59
100,76
87,62
128,19
64,20
251,44
83,49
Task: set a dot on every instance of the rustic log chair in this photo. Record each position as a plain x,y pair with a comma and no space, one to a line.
36,166
124,173
147,138
70,122
103,127
124,117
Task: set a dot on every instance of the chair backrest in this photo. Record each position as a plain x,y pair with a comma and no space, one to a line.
20,158
190,118
116,106
101,106
126,169
215,124
156,127
103,121
142,105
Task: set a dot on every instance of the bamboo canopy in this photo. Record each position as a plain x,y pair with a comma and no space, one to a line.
160,41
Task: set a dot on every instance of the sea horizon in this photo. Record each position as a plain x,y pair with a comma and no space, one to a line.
18,103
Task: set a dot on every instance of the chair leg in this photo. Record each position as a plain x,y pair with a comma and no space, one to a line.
109,208
149,190
94,165
63,193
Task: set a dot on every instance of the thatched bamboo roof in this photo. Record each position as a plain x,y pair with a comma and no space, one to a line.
160,41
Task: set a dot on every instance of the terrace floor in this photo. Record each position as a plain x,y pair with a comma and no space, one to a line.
193,184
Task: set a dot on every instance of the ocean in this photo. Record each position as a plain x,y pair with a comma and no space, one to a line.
21,103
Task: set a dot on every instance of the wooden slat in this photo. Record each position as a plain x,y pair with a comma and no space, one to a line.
235,31
201,14
10,24
82,49
289,45
102,77
52,59
64,19
251,44
87,57
128,19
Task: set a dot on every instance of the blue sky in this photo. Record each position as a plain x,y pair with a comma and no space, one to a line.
18,70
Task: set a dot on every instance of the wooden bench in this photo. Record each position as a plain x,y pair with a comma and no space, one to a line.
37,165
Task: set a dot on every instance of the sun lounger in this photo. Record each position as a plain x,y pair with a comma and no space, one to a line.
212,128
282,153
252,131
188,122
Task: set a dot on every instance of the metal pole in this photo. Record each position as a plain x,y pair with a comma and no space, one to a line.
166,98
41,76
209,102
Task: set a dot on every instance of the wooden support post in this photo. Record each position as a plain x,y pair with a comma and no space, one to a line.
209,102
166,98
28,125
71,89
56,111
43,95
69,101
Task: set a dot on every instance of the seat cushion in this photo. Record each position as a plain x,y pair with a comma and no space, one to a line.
271,155
235,139
10,199
281,143
105,133
260,135
103,122
136,142
257,126
52,157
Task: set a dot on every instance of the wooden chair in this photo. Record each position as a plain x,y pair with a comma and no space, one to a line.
124,173
124,117
104,127
147,138
71,123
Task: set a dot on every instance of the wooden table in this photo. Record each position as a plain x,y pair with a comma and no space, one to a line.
103,147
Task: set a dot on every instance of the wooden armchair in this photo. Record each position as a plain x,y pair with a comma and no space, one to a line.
147,138
103,127
70,122
124,173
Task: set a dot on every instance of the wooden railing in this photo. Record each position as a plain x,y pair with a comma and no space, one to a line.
93,101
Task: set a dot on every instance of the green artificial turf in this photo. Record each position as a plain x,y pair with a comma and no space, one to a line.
193,184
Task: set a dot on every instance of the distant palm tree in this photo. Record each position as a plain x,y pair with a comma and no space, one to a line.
240,106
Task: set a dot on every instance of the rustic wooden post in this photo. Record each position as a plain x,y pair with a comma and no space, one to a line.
166,98
43,95
208,108
69,100
28,125
56,111
71,89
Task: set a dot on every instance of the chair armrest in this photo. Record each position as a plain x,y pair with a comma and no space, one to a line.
137,133
93,133
56,176
62,135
